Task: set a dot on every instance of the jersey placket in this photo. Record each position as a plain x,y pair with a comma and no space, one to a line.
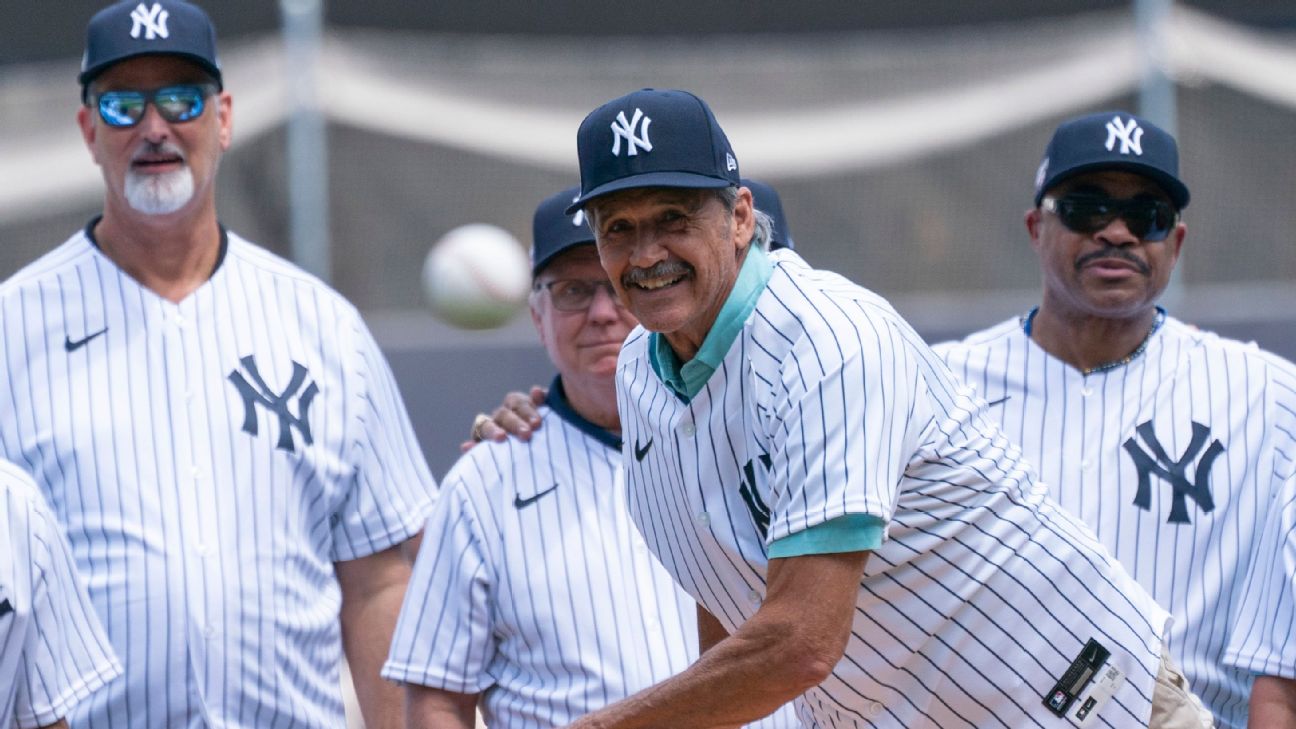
193,542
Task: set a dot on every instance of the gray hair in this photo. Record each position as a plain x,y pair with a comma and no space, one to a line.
764,231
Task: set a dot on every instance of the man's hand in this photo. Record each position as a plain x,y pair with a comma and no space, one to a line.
518,416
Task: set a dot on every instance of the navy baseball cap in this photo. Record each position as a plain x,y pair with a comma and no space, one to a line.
149,28
554,230
652,138
767,201
1112,140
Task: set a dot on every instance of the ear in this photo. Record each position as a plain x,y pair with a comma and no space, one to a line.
1034,222
1176,239
85,120
744,218
225,118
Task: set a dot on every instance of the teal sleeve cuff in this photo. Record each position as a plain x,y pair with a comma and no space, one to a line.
849,533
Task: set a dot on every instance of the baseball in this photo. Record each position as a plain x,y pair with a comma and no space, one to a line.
476,276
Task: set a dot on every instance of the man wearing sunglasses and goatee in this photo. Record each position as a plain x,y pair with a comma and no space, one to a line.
217,429
1174,444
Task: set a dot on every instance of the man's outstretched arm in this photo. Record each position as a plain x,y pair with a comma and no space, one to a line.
790,645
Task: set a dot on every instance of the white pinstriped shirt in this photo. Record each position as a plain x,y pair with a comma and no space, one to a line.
828,404
210,460
1175,458
534,589
53,651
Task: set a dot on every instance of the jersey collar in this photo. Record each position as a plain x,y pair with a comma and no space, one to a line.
557,402
220,254
687,379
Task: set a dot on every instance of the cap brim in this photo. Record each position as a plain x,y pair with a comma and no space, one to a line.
88,75
1177,191
651,179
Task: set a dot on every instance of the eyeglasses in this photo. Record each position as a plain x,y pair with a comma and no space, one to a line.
575,294
125,108
1148,218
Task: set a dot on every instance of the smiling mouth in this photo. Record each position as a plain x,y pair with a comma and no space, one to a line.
659,276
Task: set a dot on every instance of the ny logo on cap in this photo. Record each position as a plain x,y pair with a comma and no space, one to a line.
579,218
1130,136
622,128
152,21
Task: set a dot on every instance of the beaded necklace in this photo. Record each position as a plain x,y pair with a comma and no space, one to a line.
1157,321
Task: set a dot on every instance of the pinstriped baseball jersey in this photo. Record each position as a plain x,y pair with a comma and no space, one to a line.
534,588
210,461
828,404
1174,458
53,651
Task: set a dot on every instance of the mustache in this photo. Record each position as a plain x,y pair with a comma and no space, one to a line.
664,269
147,148
1112,252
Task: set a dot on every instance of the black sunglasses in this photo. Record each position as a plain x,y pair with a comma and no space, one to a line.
125,108
1148,218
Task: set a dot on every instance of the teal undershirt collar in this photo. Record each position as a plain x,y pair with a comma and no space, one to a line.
686,380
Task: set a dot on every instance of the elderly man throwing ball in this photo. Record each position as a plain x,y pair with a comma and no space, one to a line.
858,535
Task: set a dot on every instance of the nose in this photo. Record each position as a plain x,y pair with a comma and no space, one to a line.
604,307
1117,233
646,250
152,126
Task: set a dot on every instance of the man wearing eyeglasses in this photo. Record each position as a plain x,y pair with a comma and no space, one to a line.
538,600
223,439
1174,444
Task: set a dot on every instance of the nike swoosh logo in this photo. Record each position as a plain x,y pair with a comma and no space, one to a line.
520,502
72,346
641,452
1000,401
5,607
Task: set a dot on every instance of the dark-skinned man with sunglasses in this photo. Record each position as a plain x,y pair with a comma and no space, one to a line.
1174,444
216,429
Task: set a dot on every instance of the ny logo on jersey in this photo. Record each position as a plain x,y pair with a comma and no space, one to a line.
760,513
1159,463
275,402
622,129
152,21
1130,136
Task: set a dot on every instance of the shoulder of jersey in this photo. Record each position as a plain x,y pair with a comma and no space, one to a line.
1280,367
988,337
49,264
810,306
242,250
487,466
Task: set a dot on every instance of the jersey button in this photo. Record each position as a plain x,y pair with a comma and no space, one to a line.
1086,391
754,597
1085,464
689,430
209,632
703,518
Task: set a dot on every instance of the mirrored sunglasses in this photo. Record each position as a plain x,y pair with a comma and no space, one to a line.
125,107
1148,218
575,294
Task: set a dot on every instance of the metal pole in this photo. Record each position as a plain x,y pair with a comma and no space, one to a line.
1157,101
303,28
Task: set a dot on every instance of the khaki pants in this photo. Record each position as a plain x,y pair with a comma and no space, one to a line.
1174,705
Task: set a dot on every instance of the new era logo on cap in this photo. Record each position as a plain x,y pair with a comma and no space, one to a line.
1112,141
162,27
652,138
